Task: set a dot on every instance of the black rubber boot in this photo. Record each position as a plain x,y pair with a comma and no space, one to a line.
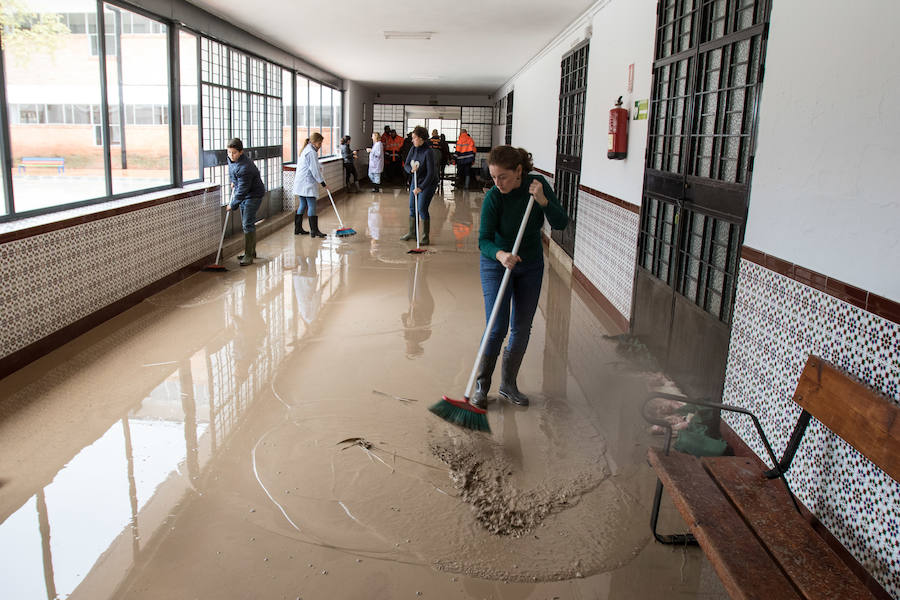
483,381
426,229
249,249
411,234
314,227
298,225
508,373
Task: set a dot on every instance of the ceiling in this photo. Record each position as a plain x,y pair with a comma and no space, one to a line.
475,46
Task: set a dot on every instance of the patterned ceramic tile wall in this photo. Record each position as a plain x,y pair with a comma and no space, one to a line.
778,322
605,246
333,171
51,280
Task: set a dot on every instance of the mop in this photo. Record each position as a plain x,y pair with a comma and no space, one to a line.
418,249
343,231
460,412
216,266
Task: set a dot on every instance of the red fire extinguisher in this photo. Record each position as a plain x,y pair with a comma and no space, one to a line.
618,132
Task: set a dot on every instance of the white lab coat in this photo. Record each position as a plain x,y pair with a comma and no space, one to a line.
376,158
308,178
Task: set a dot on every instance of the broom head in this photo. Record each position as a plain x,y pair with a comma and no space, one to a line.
215,267
417,251
345,231
460,412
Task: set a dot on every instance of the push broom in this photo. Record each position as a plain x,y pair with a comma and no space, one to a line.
418,249
460,412
343,231
217,266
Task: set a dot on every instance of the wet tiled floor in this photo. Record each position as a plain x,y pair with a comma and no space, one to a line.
263,433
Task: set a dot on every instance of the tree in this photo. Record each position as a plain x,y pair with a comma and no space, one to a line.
22,31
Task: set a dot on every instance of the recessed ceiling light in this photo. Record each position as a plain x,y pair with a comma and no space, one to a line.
408,35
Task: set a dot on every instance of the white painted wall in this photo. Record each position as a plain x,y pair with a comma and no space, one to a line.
355,97
623,34
825,187
536,106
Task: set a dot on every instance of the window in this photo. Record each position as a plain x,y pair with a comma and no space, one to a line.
240,97
287,122
302,112
76,78
138,81
190,126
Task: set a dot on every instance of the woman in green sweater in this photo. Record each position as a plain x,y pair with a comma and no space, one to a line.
501,214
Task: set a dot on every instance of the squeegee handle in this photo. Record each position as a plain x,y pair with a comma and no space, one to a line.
498,300
335,208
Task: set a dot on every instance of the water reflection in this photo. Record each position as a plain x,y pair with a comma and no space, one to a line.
81,529
417,320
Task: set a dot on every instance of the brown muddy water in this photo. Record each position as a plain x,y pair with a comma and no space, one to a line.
264,433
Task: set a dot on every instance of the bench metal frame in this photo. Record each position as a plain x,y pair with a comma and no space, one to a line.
778,472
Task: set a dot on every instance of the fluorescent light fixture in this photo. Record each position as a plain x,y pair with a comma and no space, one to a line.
424,77
408,35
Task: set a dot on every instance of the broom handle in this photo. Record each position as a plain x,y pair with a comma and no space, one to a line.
416,208
498,300
224,227
335,208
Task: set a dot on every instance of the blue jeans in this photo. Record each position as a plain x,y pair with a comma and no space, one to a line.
522,292
425,197
248,213
307,203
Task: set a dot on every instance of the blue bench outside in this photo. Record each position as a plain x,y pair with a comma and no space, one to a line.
39,161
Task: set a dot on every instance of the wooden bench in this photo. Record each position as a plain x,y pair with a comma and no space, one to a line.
39,161
744,516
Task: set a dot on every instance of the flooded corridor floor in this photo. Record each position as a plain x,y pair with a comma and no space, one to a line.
264,433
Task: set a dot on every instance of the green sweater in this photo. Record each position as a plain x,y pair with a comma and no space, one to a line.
501,215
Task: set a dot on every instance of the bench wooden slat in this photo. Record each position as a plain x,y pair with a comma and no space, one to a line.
862,418
817,572
746,569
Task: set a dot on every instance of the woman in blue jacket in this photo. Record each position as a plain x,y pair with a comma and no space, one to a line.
420,161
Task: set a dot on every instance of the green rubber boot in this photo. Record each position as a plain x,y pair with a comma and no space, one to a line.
426,228
249,249
411,234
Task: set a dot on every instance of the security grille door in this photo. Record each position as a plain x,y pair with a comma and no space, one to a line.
704,103
569,140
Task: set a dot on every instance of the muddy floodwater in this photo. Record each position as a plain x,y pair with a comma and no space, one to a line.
264,433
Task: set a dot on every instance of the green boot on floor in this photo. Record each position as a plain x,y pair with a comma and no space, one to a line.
426,228
411,234
249,249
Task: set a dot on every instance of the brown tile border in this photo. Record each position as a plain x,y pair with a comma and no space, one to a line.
38,229
611,199
858,297
618,318
608,197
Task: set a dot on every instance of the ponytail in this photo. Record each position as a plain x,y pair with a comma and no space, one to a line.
316,137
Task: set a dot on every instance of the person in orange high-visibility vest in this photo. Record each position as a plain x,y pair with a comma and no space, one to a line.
386,140
465,156
393,150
